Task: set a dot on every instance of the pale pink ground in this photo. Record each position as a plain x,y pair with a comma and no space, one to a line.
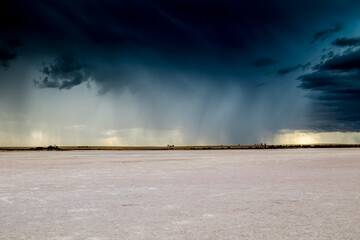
224,194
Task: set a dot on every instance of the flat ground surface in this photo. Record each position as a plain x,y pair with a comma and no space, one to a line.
219,194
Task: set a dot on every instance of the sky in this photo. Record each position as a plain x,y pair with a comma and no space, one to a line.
182,72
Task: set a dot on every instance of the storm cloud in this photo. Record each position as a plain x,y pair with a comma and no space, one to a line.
347,42
336,89
343,63
63,72
213,71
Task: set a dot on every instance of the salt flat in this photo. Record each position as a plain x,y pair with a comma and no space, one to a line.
223,194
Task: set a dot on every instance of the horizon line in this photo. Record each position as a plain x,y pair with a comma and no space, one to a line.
179,147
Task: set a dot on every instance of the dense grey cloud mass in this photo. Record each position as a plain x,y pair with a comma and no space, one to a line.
217,71
344,63
336,88
64,72
346,42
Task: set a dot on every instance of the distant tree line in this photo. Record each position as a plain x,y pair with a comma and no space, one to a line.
49,148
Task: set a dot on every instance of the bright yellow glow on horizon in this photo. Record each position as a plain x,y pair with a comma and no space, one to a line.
305,137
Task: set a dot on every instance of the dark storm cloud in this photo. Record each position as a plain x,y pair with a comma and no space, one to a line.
162,25
324,34
263,62
179,48
286,70
197,33
335,87
347,42
8,52
64,72
346,62
202,38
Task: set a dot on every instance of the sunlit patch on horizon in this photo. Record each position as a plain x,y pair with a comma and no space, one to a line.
287,136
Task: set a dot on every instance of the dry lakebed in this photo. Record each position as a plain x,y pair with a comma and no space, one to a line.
174,194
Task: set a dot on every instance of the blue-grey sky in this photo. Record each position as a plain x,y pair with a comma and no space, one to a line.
179,72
